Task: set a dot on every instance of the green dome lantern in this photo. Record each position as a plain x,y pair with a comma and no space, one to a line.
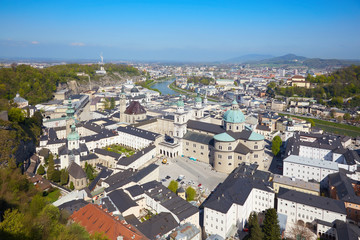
73,135
180,103
198,98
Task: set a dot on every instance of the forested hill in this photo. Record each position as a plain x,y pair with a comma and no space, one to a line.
337,86
38,85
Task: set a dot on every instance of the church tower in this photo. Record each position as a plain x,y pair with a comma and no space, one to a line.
199,111
122,106
70,119
73,139
179,121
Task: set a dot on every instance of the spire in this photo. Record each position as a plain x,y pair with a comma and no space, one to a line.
70,110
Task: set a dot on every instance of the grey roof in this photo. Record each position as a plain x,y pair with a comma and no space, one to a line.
76,171
263,128
312,200
139,132
64,150
126,161
158,225
121,200
73,205
343,187
131,219
242,149
90,156
104,173
199,138
237,187
135,190
107,204
107,153
175,204
346,231
121,178
205,127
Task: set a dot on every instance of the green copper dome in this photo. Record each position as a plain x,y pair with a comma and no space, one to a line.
180,103
256,137
224,137
198,98
70,110
234,116
73,135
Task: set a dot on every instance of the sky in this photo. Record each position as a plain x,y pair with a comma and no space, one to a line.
184,30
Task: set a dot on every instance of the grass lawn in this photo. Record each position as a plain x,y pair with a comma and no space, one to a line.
120,149
53,196
331,127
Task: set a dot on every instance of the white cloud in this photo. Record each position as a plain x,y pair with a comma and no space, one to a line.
34,42
78,44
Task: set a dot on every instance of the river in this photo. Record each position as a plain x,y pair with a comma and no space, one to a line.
163,87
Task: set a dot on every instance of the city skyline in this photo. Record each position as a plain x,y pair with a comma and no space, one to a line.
179,31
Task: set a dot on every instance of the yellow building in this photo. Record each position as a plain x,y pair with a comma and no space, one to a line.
295,184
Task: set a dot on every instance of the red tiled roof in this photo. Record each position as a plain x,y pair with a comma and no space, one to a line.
135,108
95,219
298,76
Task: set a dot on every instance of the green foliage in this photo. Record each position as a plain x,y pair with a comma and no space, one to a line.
272,85
16,115
120,149
201,80
190,194
51,167
347,116
41,170
38,85
36,205
255,232
276,144
64,177
13,225
112,103
89,171
271,226
311,122
343,83
56,176
173,186
27,215
72,187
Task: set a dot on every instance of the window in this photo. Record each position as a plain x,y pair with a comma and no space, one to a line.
229,148
239,157
256,147
202,147
187,143
219,163
194,145
219,156
255,156
230,164
229,157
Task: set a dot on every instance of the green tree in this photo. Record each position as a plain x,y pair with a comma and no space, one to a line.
272,85
72,185
89,171
271,226
276,144
173,186
64,177
106,103
41,170
347,116
56,176
51,167
190,194
255,232
311,122
112,103
36,205
16,115
13,225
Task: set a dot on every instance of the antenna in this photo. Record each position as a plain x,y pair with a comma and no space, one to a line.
102,58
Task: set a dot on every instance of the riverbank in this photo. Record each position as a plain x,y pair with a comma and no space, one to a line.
173,87
331,127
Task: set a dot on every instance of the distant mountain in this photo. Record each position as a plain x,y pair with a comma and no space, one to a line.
294,60
248,58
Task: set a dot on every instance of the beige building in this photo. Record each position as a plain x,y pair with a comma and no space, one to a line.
295,184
